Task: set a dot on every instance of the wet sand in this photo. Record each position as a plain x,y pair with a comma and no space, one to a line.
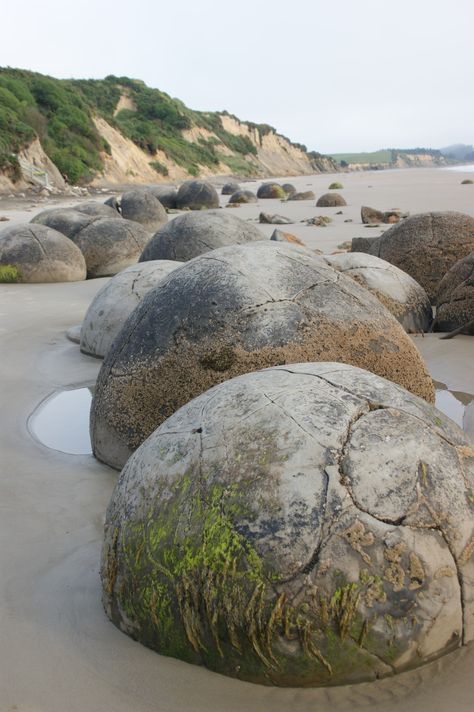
58,651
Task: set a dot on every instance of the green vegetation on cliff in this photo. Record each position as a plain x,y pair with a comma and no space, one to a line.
60,113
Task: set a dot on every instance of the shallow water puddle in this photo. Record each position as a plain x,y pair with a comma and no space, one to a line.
61,422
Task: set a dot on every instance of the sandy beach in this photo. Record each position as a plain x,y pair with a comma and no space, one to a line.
58,650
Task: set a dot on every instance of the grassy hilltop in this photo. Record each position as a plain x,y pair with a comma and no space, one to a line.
60,113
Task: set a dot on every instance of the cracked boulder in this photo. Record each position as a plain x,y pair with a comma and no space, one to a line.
36,253
143,207
109,245
193,234
403,297
426,246
303,525
455,300
232,311
114,303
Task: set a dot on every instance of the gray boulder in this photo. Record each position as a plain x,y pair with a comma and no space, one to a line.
271,190
289,189
232,311
330,200
197,195
114,303
403,297
36,253
92,207
268,219
193,234
305,195
143,207
243,196
230,188
303,525
364,244
455,299
427,245
110,245
166,194
67,221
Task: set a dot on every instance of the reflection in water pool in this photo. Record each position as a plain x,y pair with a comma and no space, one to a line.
61,422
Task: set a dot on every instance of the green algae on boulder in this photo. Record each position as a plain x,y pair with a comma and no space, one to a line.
231,311
304,525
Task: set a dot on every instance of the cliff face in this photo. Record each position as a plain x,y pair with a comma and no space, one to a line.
118,131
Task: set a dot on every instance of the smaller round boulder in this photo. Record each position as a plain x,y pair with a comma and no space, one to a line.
289,188
192,234
230,188
110,245
36,253
243,196
455,301
271,190
197,195
305,195
166,194
115,302
143,207
330,200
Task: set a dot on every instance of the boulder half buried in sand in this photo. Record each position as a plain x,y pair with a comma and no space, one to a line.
190,235
243,196
235,310
67,221
455,300
230,188
330,200
197,195
427,245
143,207
114,303
166,194
271,190
303,525
403,297
36,253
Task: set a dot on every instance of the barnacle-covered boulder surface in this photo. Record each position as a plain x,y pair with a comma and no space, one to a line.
143,207
109,245
403,297
116,300
310,524
232,311
36,253
193,234
455,300
427,245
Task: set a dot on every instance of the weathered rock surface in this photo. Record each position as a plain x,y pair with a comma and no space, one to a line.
114,303
330,200
371,215
230,188
271,190
243,196
110,245
289,188
303,525
365,244
94,208
143,207
281,236
166,194
69,222
193,234
455,299
38,253
232,311
305,195
197,195
403,297
427,245
268,219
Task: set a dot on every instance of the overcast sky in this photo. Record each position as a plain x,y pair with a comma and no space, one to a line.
337,75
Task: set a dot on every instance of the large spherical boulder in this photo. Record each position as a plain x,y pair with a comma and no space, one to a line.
427,245
303,525
330,200
403,297
455,299
230,188
110,245
166,194
193,234
114,303
91,207
36,253
271,190
197,195
232,311
243,196
143,207
67,221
